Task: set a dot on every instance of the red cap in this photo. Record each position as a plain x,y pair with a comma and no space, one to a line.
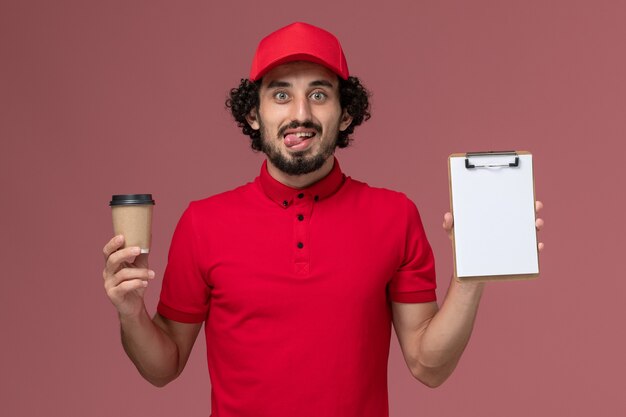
299,42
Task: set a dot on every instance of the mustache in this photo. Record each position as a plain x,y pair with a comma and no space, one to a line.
296,124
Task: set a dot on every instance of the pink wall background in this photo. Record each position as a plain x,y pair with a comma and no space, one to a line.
108,97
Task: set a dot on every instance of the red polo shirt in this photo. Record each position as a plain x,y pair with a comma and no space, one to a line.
294,287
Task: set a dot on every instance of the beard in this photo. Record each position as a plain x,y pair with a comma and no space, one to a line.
297,163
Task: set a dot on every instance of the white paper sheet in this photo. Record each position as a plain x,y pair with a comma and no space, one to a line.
494,217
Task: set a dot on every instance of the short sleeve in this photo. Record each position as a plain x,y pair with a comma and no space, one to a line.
185,294
414,281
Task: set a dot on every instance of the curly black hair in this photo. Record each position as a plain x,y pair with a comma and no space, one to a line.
353,97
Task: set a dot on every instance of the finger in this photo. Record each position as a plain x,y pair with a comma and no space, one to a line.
538,205
113,245
123,255
539,224
125,287
128,274
540,246
448,221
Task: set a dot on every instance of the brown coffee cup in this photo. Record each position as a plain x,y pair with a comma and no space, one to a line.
132,217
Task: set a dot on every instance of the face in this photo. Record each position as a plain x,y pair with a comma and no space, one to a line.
299,116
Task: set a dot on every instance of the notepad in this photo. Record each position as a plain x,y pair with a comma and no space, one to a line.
492,200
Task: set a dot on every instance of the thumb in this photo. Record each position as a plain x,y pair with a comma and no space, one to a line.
448,223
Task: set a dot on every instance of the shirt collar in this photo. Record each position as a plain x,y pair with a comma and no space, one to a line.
283,194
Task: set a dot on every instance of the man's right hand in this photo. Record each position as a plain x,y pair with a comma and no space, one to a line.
126,276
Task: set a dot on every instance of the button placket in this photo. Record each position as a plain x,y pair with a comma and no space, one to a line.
302,208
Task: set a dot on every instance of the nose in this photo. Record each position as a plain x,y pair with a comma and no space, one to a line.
302,109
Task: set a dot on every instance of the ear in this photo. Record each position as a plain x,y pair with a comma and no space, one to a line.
346,120
253,120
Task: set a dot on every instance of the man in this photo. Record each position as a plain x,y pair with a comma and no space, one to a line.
298,275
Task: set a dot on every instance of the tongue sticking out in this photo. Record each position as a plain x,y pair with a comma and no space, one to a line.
292,140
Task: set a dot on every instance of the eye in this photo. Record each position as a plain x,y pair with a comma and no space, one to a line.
281,96
318,96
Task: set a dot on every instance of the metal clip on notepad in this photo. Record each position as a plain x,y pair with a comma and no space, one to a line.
469,155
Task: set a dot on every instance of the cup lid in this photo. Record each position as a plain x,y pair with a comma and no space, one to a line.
127,199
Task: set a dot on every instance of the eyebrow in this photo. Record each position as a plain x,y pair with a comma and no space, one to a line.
275,84
321,83
317,83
